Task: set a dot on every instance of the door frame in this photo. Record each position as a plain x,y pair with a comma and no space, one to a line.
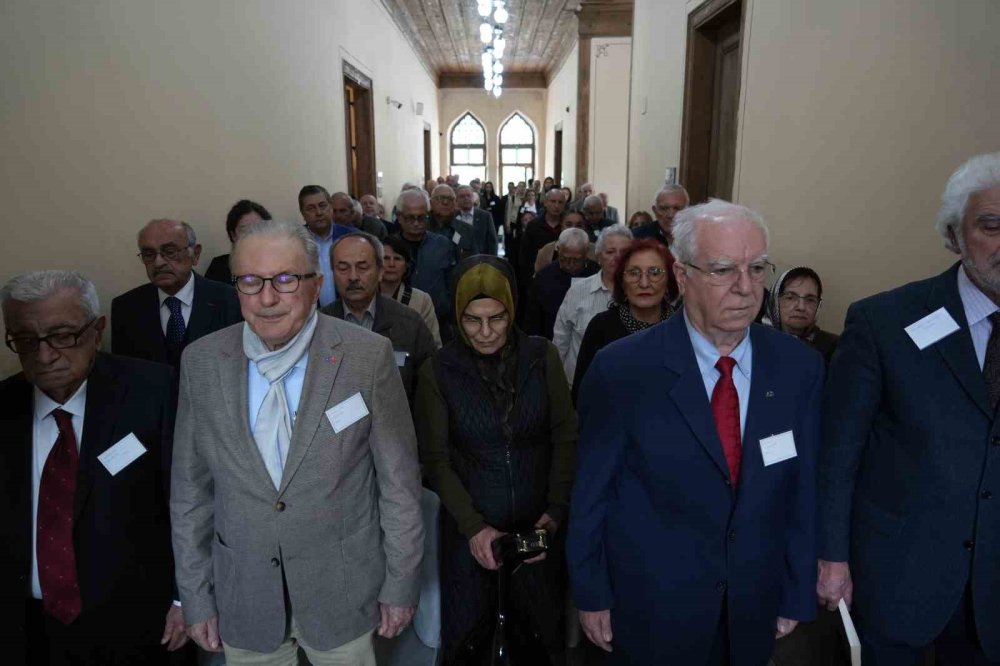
365,115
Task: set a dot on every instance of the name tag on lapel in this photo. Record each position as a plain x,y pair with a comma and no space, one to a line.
401,358
925,332
778,448
457,238
347,413
122,454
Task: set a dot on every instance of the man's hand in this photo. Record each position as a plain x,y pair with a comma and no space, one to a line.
206,634
481,546
597,627
394,619
544,523
174,635
833,584
785,627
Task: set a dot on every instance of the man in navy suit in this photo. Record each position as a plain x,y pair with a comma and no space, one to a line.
692,531
910,472
177,306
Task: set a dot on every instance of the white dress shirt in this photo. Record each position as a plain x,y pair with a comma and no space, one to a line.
978,307
708,355
257,386
43,438
587,297
185,296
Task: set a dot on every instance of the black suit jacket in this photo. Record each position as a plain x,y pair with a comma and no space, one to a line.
135,319
121,533
405,329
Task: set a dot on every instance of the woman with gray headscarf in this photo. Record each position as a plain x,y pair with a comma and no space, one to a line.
793,307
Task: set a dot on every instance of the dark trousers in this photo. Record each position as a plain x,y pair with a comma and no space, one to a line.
956,645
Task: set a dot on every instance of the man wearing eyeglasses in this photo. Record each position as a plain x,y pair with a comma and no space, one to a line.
295,496
87,567
157,320
693,518
317,212
444,221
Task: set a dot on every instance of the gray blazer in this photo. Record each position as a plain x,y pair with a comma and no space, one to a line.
344,529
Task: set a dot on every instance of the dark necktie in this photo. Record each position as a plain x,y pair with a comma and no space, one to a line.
175,325
55,553
726,412
991,366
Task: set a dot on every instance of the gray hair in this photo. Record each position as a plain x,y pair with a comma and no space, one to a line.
716,211
573,237
591,200
442,188
372,240
281,230
671,189
411,194
559,193
192,239
979,173
358,210
608,232
38,285
462,188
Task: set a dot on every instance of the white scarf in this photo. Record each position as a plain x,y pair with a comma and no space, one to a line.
273,429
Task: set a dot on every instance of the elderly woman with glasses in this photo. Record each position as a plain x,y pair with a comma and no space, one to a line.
640,300
497,435
793,307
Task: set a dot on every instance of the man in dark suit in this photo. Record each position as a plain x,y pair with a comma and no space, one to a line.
692,530
157,320
548,289
444,222
358,259
909,478
481,221
87,565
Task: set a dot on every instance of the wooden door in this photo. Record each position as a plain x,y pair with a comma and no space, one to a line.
558,149
360,138
427,154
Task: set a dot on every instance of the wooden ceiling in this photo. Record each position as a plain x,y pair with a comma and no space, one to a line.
445,34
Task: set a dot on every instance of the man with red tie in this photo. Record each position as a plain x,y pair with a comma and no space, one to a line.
693,517
87,566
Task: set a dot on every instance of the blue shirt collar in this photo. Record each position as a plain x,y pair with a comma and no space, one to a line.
707,355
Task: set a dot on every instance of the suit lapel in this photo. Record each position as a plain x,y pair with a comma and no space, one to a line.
19,458
325,361
149,322
758,412
688,392
382,325
203,311
957,349
104,398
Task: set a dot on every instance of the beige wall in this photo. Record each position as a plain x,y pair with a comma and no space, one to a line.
561,109
116,112
610,59
493,112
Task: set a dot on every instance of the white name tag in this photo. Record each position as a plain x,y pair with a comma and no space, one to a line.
401,358
457,238
122,454
777,448
930,329
347,413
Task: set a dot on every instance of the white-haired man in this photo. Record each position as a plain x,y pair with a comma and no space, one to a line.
692,530
481,222
548,289
295,494
666,204
910,474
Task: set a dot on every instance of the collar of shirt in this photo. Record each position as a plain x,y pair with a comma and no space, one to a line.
76,405
594,283
467,216
977,305
369,311
320,239
185,295
707,355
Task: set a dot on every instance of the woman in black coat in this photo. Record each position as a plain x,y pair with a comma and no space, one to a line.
243,213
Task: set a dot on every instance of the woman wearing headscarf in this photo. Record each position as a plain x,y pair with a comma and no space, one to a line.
793,306
497,435
640,299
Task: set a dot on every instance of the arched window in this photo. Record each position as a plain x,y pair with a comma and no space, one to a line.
468,149
517,150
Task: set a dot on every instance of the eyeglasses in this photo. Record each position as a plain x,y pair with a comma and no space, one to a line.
411,218
720,276
443,198
54,341
654,274
473,324
169,252
791,298
283,283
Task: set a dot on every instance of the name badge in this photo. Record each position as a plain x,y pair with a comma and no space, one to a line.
457,238
925,332
347,413
122,454
778,448
401,358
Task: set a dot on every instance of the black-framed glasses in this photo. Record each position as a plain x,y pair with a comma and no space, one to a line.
283,283
654,274
729,275
421,217
63,340
169,252
791,298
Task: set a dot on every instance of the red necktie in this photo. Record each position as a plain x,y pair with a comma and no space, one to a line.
726,411
55,553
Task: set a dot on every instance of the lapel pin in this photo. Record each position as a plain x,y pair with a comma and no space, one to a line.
769,394
331,360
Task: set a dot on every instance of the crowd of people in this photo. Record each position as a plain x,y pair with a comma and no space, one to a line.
703,467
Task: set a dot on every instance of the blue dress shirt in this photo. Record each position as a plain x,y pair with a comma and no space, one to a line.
707,356
257,386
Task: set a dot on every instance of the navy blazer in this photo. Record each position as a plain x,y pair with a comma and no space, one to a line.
135,319
910,467
658,534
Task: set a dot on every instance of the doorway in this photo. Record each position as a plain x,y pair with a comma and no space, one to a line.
427,152
711,100
557,149
359,128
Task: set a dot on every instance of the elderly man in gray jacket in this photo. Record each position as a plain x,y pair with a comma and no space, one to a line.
295,485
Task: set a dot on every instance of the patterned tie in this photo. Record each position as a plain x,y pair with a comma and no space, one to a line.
175,325
55,553
726,412
991,366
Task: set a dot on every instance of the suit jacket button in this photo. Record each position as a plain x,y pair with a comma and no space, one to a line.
732,535
987,495
996,440
280,506
969,544
274,562
721,586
